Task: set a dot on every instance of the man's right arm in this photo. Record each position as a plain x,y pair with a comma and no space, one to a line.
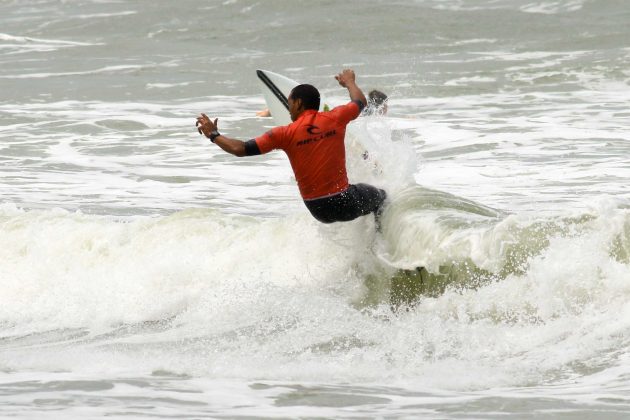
347,79
235,147
232,146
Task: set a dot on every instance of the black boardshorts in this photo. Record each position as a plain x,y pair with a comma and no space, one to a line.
357,200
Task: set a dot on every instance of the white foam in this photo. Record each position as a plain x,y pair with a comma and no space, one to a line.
27,40
553,7
11,44
216,281
104,15
547,7
106,69
461,81
166,85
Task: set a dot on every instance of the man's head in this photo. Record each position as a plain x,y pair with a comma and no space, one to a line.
377,103
303,97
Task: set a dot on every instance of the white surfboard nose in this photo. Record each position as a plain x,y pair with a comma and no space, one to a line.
276,89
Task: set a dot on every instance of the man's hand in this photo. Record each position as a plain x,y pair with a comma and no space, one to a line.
346,77
206,126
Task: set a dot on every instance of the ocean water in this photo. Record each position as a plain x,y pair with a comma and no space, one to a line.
144,273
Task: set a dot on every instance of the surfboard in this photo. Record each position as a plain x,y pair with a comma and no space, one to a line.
276,89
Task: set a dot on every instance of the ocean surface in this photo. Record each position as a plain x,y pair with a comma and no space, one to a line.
144,273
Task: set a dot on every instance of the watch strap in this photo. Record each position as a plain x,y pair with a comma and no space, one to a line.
213,135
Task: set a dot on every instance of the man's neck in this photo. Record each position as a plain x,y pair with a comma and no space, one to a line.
303,113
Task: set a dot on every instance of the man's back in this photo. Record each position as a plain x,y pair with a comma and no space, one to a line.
314,144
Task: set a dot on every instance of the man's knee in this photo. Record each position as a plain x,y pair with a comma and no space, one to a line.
325,220
372,195
382,196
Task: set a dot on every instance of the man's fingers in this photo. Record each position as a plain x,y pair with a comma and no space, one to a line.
204,123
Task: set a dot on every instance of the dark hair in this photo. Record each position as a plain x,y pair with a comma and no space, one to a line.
308,94
377,98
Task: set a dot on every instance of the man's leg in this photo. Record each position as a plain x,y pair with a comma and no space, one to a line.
358,200
369,199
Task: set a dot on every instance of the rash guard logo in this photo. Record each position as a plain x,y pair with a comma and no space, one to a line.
318,135
313,129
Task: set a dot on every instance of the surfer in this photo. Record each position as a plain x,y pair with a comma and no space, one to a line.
314,143
377,103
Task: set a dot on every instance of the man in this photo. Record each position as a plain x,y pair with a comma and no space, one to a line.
314,143
377,103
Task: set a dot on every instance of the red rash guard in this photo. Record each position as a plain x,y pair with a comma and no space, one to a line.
314,144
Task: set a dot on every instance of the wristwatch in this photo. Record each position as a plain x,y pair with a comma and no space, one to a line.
213,135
